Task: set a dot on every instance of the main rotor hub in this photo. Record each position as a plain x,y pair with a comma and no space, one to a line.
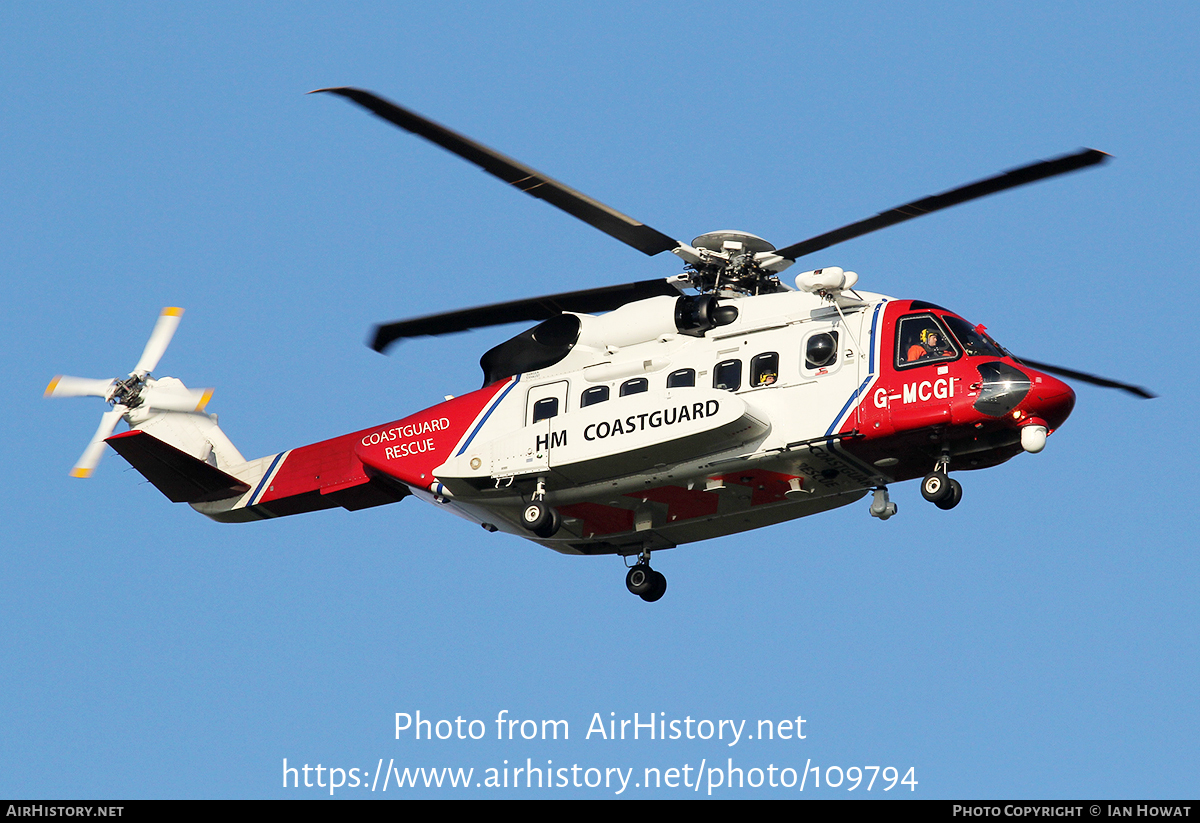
732,242
731,263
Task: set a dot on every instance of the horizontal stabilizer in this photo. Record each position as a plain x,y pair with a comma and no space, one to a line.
178,475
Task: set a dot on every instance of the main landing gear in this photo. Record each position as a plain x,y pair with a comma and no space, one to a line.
644,581
539,518
939,489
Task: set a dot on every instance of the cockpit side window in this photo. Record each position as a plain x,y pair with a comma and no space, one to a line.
921,339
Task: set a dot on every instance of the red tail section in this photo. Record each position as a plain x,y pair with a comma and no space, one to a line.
376,465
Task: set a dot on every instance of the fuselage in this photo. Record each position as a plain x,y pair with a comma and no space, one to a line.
642,437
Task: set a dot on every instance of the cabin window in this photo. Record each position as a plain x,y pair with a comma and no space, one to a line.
728,375
546,401
596,394
681,378
821,351
764,369
545,408
635,386
920,339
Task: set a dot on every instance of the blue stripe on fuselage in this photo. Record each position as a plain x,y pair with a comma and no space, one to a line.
870,373
488,414
258,491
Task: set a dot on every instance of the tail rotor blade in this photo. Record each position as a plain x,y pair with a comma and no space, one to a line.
164,330
67,386
95,450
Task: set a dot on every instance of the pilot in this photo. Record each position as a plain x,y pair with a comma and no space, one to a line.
930,346
767,378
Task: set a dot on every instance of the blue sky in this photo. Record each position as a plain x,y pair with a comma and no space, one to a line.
1038,641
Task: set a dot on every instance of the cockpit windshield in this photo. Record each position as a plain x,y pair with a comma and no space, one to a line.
973,340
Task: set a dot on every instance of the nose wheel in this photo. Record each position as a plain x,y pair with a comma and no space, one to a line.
940,490
951,500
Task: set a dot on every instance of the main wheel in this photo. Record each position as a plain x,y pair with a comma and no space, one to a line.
935,487
536,516
551,528
640,579
951,499
657,589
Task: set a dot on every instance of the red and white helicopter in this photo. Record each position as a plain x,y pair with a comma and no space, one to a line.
641,416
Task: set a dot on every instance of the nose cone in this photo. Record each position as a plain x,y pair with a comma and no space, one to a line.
1050,399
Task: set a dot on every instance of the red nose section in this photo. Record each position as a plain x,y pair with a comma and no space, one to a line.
1050,399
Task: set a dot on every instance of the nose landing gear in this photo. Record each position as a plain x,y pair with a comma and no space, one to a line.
939,489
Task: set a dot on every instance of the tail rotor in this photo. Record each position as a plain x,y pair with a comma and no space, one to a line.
137,395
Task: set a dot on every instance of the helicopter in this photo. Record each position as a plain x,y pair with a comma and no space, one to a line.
637,417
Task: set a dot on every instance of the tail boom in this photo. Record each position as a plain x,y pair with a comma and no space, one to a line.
188,458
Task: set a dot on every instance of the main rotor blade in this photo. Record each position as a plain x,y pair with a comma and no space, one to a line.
66,386
529,180
587,301
1084,377
164,330
1001,182
95,449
